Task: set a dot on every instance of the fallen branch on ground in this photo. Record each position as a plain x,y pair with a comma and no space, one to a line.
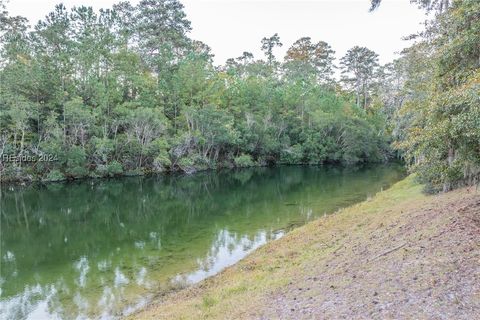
389,251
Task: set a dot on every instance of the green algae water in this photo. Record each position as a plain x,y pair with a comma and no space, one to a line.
102,248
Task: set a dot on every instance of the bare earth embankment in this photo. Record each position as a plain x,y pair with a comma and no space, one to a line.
400,255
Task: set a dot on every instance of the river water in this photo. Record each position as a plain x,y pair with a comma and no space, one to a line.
101,248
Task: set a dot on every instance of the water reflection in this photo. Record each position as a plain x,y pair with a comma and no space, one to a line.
226,250
100,248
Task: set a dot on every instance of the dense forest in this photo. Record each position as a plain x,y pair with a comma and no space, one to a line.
125,91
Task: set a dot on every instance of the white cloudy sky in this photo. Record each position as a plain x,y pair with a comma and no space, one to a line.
230,27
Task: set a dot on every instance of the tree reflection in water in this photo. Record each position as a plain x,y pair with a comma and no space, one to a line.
101,247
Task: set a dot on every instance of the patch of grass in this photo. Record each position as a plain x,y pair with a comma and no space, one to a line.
236,290
208,302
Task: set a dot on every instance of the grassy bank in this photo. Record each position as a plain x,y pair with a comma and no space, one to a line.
400,254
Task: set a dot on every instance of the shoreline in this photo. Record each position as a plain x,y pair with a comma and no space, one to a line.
347,265
29,182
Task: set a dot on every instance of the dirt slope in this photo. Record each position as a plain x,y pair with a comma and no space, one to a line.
400,255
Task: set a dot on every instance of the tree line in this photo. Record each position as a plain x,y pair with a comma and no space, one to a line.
126,91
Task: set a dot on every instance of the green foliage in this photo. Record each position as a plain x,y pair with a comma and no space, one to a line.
75,162
111,169
192,163
305,59
114,168
54,175
244,160
440,115
292,155
359,67
126,92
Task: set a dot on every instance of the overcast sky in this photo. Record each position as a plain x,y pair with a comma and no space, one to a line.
230,27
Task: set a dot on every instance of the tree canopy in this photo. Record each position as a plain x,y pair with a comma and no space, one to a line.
437,117
125,90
